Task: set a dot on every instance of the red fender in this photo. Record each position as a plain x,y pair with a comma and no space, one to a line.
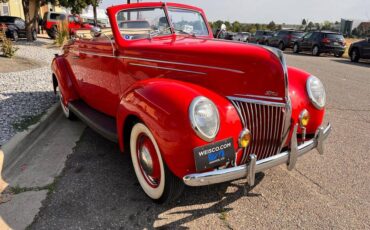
163,105
300,100
64,77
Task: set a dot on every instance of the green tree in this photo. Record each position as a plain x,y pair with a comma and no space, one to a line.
236,26
304,22
310,25
271,25
317,25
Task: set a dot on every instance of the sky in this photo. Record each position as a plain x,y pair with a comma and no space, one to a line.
279,11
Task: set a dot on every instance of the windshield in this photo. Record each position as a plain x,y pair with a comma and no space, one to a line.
188,22
142,23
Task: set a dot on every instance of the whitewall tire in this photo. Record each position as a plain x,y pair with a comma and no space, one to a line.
154,178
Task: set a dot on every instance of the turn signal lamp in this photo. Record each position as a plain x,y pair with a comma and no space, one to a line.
304,118
245,138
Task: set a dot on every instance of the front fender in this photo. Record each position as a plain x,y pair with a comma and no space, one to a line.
64,77
300,100
163,105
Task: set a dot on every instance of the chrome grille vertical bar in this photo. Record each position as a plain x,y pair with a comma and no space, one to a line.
265,120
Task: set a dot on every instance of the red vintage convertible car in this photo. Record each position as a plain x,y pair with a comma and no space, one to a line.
192,110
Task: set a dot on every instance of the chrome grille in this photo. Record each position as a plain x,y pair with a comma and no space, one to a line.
265,120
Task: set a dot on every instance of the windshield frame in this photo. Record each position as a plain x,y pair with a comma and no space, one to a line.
115,10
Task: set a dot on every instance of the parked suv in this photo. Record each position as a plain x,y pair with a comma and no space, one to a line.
318,42
360,49
260,37
284,38
51,20
15,27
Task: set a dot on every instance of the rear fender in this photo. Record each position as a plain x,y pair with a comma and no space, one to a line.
163,105
65,79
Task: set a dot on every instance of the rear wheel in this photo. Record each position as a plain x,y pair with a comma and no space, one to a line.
296,48
34,35
315,51
15,35
340,54
355,55
281,46
154,177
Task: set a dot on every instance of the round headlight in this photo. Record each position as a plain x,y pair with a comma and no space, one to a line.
316,92
204,118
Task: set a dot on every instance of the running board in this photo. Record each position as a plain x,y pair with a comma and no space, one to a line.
99,122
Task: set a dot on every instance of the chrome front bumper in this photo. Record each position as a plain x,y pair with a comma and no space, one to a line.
288,157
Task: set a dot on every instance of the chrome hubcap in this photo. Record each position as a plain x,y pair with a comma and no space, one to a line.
315,50
146,160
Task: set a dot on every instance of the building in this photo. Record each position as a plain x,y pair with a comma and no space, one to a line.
15,8
347,27
12,8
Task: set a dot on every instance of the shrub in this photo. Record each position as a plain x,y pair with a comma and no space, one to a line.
7,48
62,33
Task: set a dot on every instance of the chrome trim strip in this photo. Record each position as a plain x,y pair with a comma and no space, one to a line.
181,63
229,174
261,97
254,101
166,68
164,62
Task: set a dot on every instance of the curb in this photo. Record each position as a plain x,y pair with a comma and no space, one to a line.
21,141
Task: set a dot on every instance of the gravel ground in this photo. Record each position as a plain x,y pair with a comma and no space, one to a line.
25,95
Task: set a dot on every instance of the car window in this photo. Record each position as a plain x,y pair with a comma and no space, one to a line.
259,33
307,35
187,21
334,36
298,34
5,19
142,23
55,16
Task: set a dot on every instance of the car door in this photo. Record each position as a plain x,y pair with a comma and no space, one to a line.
306,41
96,71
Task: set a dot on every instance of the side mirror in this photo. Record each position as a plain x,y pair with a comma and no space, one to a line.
95,32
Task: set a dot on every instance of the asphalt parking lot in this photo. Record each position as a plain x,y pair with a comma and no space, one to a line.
98,188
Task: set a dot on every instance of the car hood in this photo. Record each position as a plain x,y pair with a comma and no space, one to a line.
226,67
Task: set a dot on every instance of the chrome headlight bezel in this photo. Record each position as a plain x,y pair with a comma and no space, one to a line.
318,103
196,127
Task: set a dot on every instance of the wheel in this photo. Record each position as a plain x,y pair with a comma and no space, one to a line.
296,48
34,35
340,54
52,33
355,55
155,178
281,46
15,35
67,113
315,51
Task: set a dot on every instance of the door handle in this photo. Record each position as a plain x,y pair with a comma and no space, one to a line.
75,57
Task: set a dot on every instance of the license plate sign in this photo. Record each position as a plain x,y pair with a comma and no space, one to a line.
213,155
336,43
